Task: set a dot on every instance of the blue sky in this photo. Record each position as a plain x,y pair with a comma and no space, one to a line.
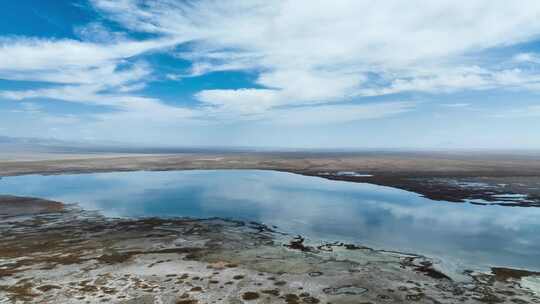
357,74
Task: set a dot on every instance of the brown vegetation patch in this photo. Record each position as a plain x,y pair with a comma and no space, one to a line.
21,291
187,301
503,274
274,292
45,288
292,298
250,295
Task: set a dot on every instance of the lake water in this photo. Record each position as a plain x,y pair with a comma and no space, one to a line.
461,235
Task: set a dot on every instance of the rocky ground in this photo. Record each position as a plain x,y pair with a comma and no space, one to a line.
51,253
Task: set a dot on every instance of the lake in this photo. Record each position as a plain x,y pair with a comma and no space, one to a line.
460,235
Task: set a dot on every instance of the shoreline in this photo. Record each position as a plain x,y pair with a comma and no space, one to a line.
437,177
84,247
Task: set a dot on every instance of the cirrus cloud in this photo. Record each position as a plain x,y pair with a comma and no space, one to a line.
309,52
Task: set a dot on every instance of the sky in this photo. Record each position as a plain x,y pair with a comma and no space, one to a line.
417,74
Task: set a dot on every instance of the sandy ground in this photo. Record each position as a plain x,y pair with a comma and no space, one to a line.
69,255
389,164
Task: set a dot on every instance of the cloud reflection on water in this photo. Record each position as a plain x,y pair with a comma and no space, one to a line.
377,216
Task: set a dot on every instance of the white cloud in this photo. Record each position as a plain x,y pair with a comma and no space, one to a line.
319,52
172,76
456,105
306,86
303,88
100,73
85,68
527,58
241,101
386,33
29,54
98,33
305,55
446,80
337,113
